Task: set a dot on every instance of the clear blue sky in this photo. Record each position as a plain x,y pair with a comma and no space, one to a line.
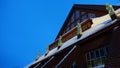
27,26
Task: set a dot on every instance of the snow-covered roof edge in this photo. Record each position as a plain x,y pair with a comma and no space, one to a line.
105,21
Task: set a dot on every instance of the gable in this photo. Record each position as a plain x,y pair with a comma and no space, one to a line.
81,13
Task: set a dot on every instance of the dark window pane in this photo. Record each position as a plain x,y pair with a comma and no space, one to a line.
96,62
67,29
88,56
72,18
93,63
105,50
97,54
73,25
77,14
99,61
91,15
83,18
92,55
69,23
102,52
89,64
103,60
82,13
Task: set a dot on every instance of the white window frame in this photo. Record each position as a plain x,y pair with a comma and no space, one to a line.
95,58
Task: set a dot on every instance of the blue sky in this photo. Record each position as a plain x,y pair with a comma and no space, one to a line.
27,26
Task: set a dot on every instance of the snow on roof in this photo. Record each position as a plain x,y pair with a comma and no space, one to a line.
99,20
99,23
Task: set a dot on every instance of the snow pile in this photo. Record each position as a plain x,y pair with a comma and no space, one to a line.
99,20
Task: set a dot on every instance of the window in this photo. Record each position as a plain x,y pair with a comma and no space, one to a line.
68,28
96,57
72,25
75,23
97,54
72,18
64,32
82,13
77,14
91,15
83,18
68,23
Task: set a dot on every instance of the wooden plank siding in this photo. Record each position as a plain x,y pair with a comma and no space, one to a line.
79,54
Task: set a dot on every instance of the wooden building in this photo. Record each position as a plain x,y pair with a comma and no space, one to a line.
98,45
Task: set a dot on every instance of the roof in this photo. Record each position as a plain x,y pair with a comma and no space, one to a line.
100,8
99,24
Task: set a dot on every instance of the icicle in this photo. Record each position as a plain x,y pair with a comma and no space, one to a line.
111,11
79,30
38,55
60,42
